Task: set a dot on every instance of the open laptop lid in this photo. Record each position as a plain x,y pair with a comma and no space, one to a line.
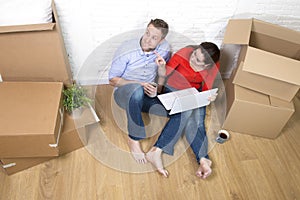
168,99
189,102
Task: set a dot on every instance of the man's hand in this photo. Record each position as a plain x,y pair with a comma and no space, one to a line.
161,63
150,89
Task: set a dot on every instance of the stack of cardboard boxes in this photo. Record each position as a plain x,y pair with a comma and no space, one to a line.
35,69
261,89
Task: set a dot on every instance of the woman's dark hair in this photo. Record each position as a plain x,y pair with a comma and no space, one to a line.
212,50
161,25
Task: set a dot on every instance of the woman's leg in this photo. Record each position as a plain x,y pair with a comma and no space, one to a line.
195,133
196,136
154,157
167,140
172,132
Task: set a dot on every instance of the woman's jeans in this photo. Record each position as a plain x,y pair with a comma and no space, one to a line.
132,98
194,131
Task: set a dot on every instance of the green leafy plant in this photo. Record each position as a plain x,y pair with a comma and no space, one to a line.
75,97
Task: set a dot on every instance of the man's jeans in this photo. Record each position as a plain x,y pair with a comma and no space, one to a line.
131,97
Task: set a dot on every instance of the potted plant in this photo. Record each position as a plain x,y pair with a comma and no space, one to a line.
74,99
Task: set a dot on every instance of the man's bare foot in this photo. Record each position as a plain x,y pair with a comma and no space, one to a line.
204,169
136,151
154,157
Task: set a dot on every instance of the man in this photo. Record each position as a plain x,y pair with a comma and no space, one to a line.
134,67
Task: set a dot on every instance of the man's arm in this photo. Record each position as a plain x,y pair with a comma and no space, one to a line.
117,81
161,71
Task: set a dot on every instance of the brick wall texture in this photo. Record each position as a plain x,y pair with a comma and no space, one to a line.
94,25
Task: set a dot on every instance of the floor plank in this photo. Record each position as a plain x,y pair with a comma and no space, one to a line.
245,167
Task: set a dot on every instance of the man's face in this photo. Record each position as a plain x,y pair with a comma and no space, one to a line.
151,38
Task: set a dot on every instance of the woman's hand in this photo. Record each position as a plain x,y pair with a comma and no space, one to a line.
212,97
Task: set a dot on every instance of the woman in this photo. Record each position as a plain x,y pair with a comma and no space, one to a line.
192,66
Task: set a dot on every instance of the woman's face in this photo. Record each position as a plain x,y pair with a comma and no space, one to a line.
197,60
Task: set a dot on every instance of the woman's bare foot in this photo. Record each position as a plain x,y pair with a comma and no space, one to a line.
204,169
136,151
154,157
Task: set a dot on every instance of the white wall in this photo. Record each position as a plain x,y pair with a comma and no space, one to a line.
88,24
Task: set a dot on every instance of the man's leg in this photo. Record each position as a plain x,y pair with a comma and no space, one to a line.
130,97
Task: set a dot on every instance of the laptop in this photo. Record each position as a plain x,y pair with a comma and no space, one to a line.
187,99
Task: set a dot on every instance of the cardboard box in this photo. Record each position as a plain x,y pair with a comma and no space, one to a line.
69,142
34,53
72,138
270,56
255,113
31,118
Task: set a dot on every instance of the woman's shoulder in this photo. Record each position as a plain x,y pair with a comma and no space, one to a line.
184,52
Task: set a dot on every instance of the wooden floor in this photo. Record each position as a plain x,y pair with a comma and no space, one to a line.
245,167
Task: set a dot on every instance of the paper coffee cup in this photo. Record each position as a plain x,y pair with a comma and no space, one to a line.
223,136
155,93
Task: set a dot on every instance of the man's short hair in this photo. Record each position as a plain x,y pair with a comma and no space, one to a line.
161,25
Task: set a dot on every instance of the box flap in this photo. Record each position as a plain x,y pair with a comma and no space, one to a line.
282,104
238,31
252,96
26,28
276,31
266,85
271,65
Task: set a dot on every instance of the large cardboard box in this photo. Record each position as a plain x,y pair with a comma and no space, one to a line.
31,118
255,113
69,142
270,55
34,53
74,136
